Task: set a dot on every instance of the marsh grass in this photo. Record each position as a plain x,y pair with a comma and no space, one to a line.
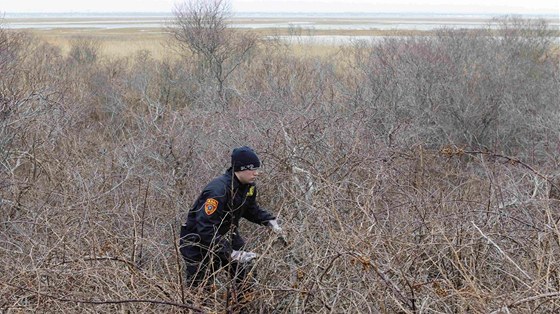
114,43
125,42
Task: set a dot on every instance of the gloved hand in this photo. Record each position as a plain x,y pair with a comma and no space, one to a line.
278,230
275,226
242,256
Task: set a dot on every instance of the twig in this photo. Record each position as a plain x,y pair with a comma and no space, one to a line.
102,302
536,297
132,267
529,299
448,151
501,251
398,294
179,274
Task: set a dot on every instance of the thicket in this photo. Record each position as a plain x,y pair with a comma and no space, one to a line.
411,175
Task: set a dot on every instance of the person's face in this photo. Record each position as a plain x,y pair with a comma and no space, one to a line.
247,176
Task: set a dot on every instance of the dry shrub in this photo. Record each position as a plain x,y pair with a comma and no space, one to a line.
102,159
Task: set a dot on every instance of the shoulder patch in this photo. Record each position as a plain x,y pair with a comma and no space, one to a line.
210,206
251,191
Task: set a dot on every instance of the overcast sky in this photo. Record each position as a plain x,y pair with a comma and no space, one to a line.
437,6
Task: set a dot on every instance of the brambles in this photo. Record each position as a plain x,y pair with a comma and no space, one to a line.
413,179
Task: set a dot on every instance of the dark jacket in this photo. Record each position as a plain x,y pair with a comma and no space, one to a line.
213,220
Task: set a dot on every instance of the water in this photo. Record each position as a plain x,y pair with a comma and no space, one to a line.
331,40
386,25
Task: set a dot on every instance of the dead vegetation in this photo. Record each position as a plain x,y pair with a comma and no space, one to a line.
413,179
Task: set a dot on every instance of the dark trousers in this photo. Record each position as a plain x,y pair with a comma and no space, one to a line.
201,270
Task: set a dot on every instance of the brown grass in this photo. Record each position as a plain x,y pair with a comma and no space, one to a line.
114,42
126,42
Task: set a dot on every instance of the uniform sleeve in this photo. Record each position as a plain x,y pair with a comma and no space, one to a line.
211,218
254,213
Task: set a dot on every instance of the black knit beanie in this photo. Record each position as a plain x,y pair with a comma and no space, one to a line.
244,158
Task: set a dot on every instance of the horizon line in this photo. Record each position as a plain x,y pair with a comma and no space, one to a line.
290,12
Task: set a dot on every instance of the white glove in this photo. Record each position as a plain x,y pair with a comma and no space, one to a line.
275,226
242,256
278,230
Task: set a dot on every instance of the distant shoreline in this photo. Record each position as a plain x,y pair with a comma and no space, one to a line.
303,21
122,35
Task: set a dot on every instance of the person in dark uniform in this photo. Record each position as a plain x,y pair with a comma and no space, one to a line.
210,237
